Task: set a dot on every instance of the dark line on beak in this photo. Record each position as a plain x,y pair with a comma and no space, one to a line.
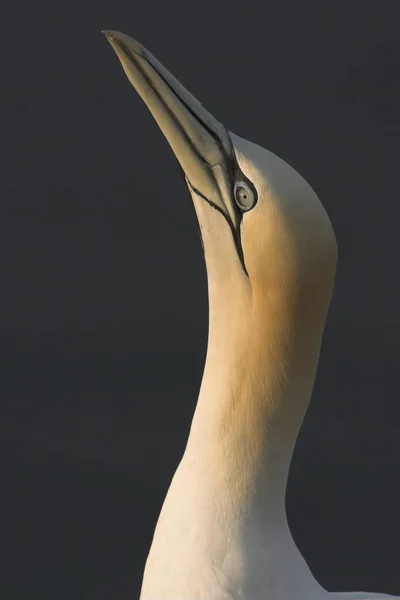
230,159
235,235
131,54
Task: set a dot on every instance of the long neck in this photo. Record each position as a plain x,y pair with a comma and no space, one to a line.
224,514
259,374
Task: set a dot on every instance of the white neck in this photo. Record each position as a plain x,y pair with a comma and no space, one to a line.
226,503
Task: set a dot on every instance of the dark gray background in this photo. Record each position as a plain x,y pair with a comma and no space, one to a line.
103,307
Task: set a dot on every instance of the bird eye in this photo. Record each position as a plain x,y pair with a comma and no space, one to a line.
245,197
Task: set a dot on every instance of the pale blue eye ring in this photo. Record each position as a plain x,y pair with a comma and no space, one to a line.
244,196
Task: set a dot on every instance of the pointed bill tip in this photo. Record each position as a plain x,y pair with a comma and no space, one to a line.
110,35
116,38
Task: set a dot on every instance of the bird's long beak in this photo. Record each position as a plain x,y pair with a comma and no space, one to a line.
200,143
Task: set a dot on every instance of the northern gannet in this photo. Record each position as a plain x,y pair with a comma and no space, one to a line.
270,253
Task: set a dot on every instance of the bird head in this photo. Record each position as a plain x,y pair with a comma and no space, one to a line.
268,242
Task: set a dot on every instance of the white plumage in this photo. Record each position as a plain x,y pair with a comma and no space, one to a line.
270,253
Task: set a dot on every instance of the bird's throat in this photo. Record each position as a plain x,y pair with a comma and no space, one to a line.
256,387
226,502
